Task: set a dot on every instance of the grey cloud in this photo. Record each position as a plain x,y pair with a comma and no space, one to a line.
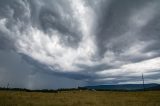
74,40
51,20
41,68
13,70
5,43
18,73
113,23
151,33
58,15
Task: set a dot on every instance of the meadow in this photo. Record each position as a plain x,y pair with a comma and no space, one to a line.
80,98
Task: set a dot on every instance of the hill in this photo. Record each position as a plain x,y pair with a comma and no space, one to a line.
124,87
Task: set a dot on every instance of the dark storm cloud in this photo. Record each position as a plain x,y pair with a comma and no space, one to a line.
95,42
5,43
43,68
151,33
52,18
16,72
113,22
13,70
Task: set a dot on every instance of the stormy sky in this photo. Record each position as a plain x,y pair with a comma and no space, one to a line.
68,43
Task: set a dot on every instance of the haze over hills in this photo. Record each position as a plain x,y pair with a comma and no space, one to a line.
119,87
124,87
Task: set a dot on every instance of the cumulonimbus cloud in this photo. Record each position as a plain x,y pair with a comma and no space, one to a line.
100,39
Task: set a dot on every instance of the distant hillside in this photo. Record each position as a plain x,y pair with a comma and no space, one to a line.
154,88
122,87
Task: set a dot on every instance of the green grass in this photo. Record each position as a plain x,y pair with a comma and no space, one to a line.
80,98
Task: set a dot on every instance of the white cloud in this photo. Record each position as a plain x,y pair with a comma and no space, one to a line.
3,28
134,69
47,48
144,66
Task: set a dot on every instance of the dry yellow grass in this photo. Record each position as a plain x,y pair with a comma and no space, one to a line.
80,98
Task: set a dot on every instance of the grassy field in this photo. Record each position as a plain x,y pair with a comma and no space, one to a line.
80,98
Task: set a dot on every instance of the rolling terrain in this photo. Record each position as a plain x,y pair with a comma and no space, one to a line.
129,87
